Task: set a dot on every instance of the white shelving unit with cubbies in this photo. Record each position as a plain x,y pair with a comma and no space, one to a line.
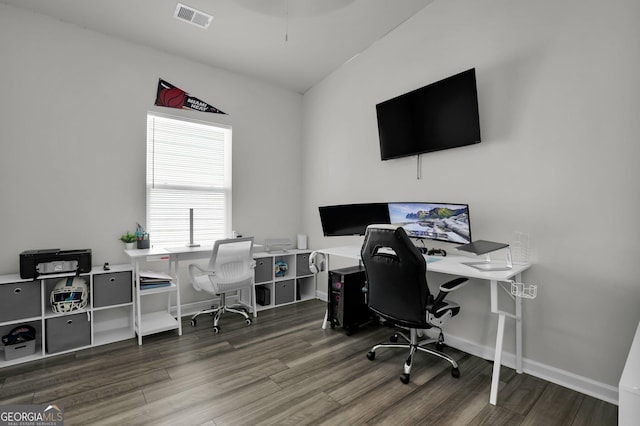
107,317
282,278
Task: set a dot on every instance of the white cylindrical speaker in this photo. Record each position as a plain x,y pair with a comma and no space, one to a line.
302,241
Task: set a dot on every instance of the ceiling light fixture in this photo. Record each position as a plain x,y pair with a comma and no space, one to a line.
195,17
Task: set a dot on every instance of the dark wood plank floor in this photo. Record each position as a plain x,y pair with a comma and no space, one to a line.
284,369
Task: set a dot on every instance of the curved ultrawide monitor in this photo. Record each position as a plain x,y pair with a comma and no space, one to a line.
434,221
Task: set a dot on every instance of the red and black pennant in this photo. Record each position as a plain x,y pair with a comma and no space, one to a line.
170,96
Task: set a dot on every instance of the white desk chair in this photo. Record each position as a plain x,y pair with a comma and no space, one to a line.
230,269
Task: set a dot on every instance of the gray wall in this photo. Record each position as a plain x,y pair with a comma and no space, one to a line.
73,138
559,101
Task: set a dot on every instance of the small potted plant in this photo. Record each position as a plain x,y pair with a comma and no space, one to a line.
129,240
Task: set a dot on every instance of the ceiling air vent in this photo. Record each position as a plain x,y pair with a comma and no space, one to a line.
192,16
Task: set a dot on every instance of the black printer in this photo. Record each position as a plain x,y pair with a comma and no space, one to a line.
54,261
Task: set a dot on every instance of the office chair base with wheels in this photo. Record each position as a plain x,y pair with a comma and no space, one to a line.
218,311
414,345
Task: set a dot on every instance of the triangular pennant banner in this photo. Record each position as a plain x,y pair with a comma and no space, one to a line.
170,96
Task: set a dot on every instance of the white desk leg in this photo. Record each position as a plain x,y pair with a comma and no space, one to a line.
497,361
176,266
518,303
137,307
253,299
326,311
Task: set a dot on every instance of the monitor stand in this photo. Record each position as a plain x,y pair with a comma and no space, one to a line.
485,248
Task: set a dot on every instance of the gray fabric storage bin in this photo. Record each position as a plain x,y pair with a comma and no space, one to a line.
112,289
20,300
68,332
264,269
284,291
302,264
19,350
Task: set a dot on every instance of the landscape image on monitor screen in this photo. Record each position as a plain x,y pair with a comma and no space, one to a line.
436,221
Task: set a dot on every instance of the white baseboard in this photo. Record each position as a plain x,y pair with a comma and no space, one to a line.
551,374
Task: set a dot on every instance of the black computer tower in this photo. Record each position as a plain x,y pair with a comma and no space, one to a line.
347,307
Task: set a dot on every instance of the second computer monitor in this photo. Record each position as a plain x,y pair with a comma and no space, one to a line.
351,219
434,221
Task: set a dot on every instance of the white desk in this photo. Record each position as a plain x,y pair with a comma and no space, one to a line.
454,265
163,321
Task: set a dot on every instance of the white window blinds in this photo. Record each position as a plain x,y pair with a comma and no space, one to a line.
188,167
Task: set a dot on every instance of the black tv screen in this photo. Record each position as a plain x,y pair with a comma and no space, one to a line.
351,219
438,116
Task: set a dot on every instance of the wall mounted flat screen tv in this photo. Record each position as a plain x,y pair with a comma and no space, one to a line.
438,116
351,219
434,221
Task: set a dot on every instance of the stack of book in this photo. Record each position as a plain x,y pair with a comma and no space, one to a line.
153,279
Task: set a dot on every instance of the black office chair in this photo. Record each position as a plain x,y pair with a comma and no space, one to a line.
397,291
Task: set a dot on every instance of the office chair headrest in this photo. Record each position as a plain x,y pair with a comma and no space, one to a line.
396,275
397,245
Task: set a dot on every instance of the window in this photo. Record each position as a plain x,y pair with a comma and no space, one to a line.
188,167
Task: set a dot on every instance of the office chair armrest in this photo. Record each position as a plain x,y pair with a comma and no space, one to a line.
454,285
202,271
448,287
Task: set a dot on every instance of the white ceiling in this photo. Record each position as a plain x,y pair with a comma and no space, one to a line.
291,43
